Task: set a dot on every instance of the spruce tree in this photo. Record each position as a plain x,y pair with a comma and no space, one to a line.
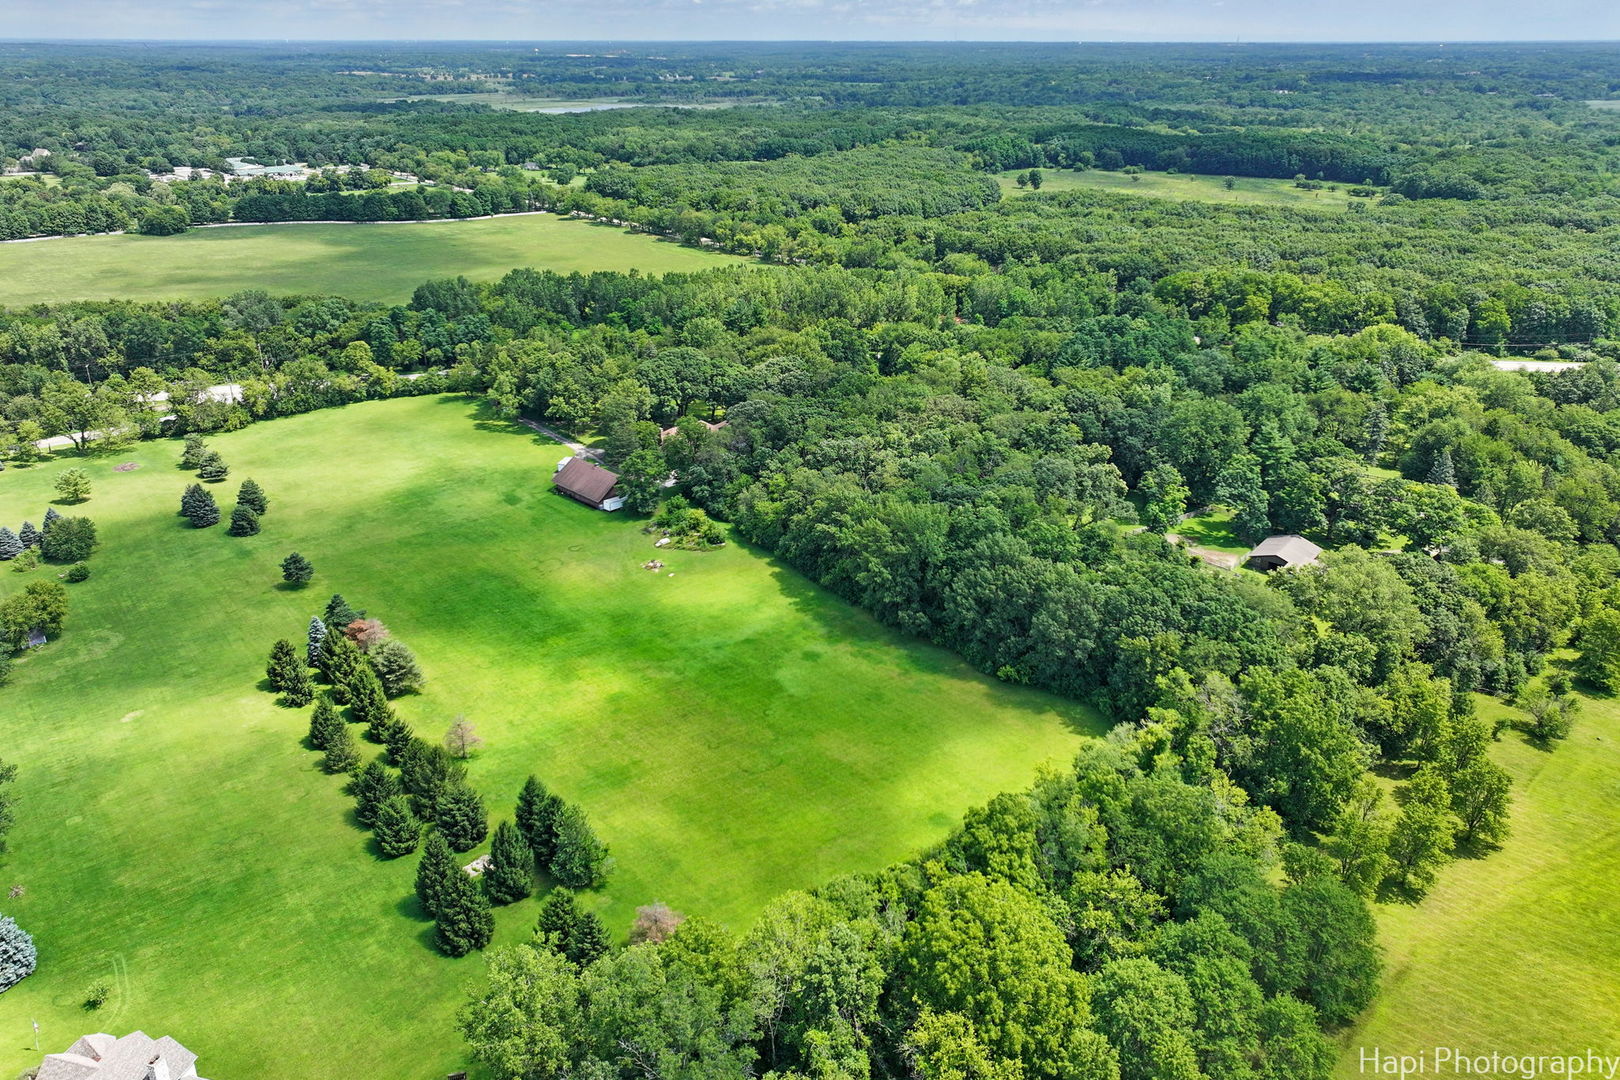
300,687
296,570
10,546
578,856
341,753
339,614
576,934
192,456
536,818
463,922
372,786
437,866
396,735
367,703
460,815
18,957
213,467
29,535
1442,471
324,724
244,522
317,635
51,518
398,831
199,507
283,662
339,661
510,876
252,496
428,771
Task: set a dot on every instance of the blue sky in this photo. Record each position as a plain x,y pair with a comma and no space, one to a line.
1022,20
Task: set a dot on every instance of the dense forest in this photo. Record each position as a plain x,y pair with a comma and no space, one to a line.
981,419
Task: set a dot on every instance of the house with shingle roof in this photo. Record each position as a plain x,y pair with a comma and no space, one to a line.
589,483
1277,552
137,1056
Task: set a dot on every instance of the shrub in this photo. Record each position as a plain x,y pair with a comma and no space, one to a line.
244,522
73,485
78,572
97,995
70,540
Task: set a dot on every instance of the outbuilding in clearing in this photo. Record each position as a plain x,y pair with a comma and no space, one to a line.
1278,552
588,483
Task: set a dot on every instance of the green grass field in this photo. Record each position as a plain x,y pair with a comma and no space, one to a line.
383,262
1517,952
1159,185
732,730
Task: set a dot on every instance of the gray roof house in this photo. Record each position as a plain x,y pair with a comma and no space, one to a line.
137,1056
1277,552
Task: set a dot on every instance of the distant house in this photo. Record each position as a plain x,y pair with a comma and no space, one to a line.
137,1056
1277,552
669,432
588,483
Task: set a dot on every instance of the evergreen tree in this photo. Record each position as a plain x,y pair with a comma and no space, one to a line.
460,815
51,518
300,688
373,785
244,522
398,831
252,496
1441,470
576,934
463,921
339,614
283,662
192,456
18,957
395,735
396,666
428,771
313,641
29,535
367,703
10,546
324,724
199,507
437,866
213,467
510,876
536,817
341,753
339,661
577,857
296,570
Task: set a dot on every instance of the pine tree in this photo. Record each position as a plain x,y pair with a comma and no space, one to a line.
576,934
339,661
536,818
341,753
18,957
29,535
296,570
51,518
283,662
199,507
300,687
1442,471
395,735
463,922
578,857
213,467
398,831
324,725
396,666
510,876
192,456
428,771
317,635
252,496
10,546
436,867
338,613
244,522
461,817
367,703
372,786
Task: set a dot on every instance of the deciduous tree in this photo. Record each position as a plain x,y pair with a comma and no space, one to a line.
73,485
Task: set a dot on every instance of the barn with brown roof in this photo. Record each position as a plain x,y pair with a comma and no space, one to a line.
589,483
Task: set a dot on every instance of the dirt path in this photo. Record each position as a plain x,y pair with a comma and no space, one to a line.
579,448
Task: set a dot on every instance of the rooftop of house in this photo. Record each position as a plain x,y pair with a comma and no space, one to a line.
136,1056
585,480
1291,549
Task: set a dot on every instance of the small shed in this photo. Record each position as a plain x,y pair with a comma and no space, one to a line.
589,483
1277,552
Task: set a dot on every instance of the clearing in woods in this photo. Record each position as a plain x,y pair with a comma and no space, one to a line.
732,730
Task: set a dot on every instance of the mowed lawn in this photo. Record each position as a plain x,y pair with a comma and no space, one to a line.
1518,952
366,261
1188,186
732,730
